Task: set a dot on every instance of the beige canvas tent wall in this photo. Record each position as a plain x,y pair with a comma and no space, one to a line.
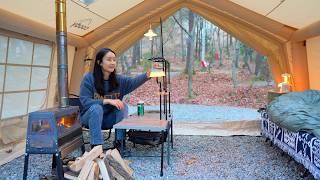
288,32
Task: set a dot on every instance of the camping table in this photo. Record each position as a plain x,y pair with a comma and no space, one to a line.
148,123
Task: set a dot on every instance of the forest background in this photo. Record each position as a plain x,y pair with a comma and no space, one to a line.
208,65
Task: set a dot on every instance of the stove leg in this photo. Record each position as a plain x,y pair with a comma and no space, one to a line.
54,163
26,164
59,168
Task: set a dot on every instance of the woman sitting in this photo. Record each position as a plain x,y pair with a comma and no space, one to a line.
101,94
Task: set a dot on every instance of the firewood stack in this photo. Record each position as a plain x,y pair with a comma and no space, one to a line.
98,165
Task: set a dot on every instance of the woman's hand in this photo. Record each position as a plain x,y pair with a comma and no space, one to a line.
114,102
148,73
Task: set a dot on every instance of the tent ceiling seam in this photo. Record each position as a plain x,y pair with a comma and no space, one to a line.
145,18
273,9
86,8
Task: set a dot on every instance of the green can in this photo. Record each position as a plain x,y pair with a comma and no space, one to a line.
140,108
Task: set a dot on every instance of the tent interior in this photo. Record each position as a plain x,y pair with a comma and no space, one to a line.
286,31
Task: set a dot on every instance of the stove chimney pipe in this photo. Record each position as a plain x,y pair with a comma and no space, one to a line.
61,35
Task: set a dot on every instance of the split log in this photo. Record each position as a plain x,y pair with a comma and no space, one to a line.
85,170
103,169
90,156
71,175
118,164
113,174
94,172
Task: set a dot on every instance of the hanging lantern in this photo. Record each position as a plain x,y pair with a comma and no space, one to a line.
150,34
157,69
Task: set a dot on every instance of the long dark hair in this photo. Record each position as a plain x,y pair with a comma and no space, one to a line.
98,75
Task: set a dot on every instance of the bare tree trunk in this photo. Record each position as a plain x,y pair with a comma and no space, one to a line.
182,39
156,48
122,62
265,71
136,54
213,46
125,66
152,42
131,56
228,45
140,52
235,59
223,43
237,43
190,54
203,45
220,48
197,49
258,64
246,58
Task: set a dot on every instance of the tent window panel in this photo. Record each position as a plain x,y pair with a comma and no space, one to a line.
36,100
42,55
3,48
14,104
1,77
20,51
17,78
39,78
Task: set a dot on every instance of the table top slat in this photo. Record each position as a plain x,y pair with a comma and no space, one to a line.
144,123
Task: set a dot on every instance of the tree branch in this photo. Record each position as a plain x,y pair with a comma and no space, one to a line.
189,36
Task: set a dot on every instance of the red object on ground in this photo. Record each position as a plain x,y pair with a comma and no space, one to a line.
216,56
204,63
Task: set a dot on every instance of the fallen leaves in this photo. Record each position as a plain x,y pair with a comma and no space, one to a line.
208,89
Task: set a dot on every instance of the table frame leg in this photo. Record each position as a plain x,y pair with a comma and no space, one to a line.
161,139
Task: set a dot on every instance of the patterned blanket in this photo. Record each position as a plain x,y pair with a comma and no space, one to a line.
302,146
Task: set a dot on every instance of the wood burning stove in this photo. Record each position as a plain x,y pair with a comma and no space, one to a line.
55,131
51,130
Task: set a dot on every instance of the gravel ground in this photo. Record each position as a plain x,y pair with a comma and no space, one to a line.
192,112
193,157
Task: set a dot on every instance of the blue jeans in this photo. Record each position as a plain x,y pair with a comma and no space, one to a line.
95,119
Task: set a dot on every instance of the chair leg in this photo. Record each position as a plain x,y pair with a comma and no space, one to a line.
109,135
